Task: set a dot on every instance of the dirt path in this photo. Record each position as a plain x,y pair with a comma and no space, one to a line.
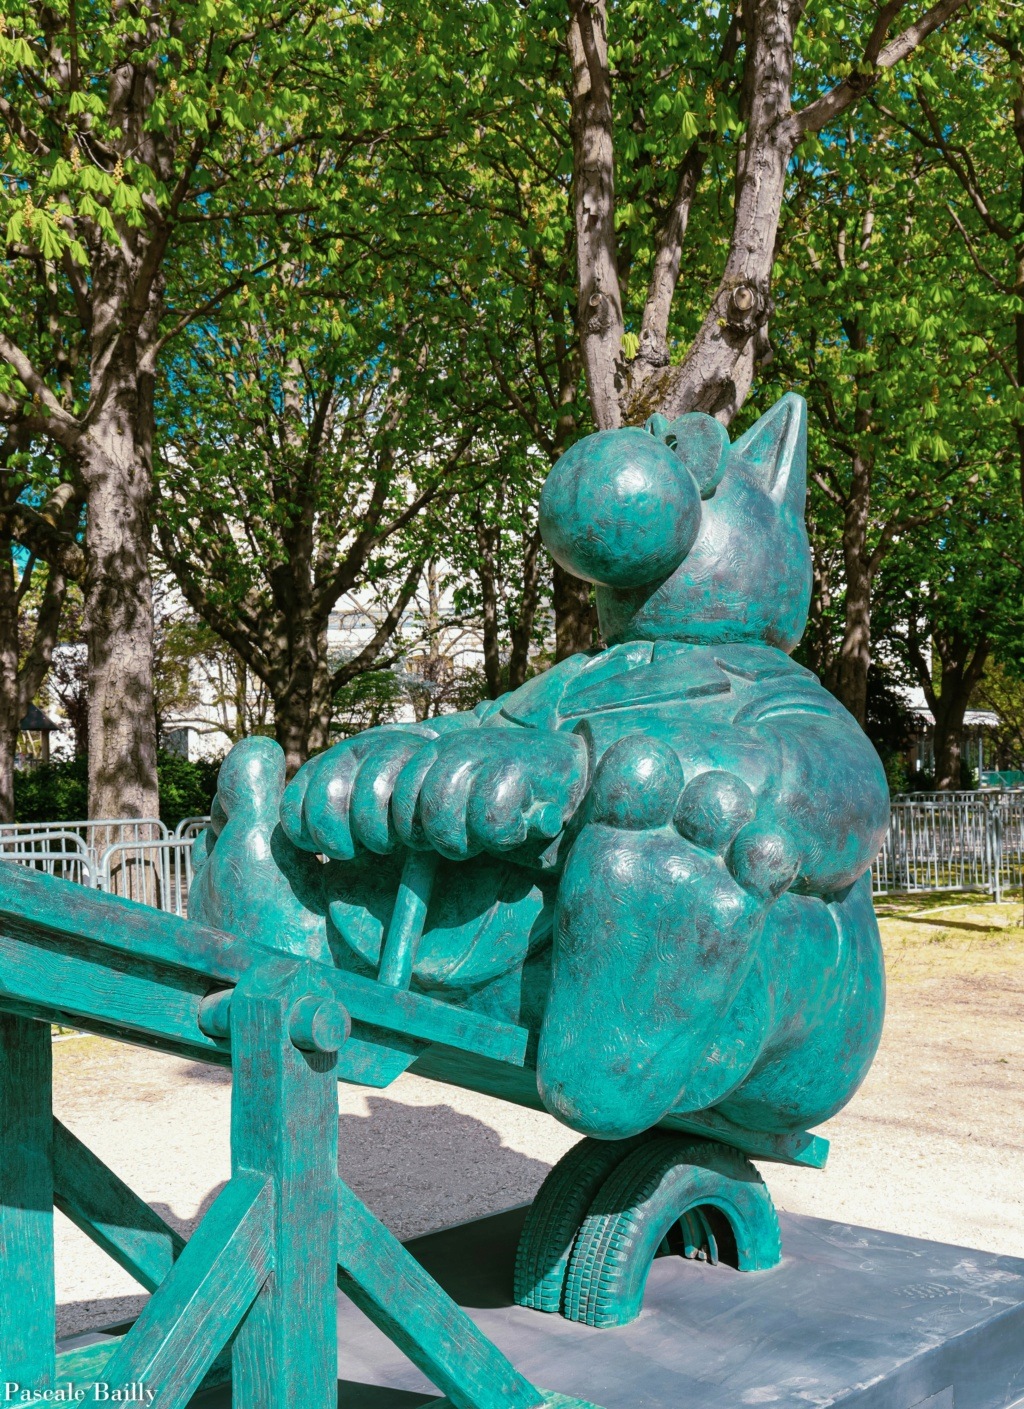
932,1145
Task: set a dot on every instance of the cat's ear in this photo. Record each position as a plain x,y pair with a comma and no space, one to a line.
773,453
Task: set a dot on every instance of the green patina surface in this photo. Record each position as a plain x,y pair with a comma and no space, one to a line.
653,858
633,892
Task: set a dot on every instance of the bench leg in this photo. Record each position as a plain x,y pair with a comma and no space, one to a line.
27,1313
284,1124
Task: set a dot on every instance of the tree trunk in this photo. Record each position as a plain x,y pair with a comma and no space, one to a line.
291,729
575,614
320,712
492,644
948,739
24,664
293,717
9,714
318,736
118,591
948,690
855,652
599,306
303,696
961,671
8,751
522,630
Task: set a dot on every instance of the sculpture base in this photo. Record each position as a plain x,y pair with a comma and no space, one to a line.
850,1316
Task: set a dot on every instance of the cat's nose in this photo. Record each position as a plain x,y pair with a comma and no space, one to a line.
620,509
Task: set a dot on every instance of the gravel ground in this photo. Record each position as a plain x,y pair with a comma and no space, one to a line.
932,1144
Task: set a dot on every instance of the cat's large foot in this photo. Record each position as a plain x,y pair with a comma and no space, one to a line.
659,915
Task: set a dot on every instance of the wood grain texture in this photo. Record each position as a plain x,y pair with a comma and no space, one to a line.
85,989
387,1283
111,1213
27,1317
200,1303
85,1364
106,965
284,1124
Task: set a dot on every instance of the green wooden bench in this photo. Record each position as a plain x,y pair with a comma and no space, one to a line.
251,1295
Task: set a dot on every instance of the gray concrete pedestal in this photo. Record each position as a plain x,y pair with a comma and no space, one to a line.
851,1317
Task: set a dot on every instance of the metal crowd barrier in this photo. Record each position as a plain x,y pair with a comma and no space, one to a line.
137,858
936,842
953,841
156,873
94,836
54,850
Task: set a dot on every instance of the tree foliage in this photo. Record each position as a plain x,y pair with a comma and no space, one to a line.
347,280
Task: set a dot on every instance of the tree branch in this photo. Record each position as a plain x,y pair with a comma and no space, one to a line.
64,428
349,669
44,541
40,653
875,61
972,252
210,303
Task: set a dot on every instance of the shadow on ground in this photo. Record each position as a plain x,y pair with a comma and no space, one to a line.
351,1395
418,1168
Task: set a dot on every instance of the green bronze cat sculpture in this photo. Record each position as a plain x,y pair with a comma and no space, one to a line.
654,856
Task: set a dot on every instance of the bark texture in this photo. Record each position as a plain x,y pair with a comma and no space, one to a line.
599,303
717,370
118,593
949,675
27,642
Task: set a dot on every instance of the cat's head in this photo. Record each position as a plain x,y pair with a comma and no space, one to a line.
687,537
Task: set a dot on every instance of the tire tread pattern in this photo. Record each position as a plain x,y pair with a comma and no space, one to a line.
626,1203
556,1214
